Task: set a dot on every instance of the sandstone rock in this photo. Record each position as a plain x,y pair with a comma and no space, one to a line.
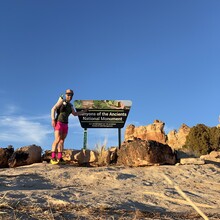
195,161
5,154
113,155
103,158
153,131
68,155
141,152
213,156
86,157
176,139
129,132
25,156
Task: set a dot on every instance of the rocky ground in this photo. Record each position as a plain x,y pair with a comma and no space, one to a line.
45,191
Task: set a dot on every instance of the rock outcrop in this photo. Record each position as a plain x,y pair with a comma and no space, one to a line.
155,132
141,153
176,139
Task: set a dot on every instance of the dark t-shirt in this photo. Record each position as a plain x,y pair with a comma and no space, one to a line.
64,111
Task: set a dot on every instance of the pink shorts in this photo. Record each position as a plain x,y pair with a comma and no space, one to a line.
61,127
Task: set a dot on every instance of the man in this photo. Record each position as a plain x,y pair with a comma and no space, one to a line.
59,116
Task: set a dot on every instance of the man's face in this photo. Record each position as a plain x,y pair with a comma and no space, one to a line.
69,95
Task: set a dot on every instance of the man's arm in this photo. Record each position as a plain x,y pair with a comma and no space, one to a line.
53,110
78,113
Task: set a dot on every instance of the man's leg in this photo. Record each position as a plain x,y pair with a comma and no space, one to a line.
61,145
57,138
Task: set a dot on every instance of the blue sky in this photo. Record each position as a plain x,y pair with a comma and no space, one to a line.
163,55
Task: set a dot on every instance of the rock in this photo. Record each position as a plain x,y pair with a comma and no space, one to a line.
86,157
25,156
113,155
75,156
141,152
153,131
213,156
5,154
176,139
130,132
195,161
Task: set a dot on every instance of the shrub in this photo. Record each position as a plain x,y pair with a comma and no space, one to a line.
202,139
215,138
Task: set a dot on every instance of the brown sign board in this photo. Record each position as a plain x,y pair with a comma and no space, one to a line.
103,113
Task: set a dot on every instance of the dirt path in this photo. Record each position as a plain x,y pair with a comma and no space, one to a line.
69,192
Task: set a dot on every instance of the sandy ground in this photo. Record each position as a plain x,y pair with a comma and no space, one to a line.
45,191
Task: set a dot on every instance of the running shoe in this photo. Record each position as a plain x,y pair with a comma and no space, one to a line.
54,161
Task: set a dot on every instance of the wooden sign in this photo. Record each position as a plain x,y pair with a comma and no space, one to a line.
103,113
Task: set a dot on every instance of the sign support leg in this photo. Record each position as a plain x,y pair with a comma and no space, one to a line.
85,139
119,138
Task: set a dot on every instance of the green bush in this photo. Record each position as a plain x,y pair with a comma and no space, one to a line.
202,140
215,138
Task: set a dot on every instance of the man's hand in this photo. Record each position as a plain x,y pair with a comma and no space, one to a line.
53,123
84,111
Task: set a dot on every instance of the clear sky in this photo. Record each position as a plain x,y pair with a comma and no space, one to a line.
163,55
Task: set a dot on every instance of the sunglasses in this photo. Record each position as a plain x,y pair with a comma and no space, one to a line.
69,94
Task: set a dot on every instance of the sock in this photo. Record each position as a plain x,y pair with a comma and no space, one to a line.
53,155
59,155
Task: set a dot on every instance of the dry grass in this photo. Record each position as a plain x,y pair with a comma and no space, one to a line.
99,148
20,210
102,153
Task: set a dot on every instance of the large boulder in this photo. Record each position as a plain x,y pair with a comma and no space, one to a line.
154,131
141,152
5,154
25,156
